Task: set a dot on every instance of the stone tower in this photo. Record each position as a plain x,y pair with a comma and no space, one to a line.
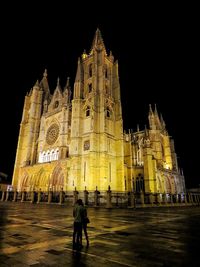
96,148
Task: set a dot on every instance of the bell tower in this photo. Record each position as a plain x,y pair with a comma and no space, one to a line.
96,147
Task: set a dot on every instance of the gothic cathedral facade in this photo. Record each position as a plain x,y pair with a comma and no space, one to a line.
78,142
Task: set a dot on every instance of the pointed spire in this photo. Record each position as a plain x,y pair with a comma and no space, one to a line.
98,43
45,73
67,90
78,85
162,121
138,128
37,84
157,119
67,83
44,84
58,85
151,117
150,110
146,131
111,57
58,82
30,93
78,72
155,111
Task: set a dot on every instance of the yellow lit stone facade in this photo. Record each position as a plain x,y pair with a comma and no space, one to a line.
78,142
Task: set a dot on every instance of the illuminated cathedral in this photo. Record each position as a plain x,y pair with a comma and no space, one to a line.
77,141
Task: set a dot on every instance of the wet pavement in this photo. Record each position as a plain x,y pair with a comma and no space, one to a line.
41,235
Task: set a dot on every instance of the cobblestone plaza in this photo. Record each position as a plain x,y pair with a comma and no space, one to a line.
41,235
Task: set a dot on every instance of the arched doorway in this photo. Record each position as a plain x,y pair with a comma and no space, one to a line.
57,179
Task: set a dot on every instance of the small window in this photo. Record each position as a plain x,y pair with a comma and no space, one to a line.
86,145
67,152
106,89
106,73
87,112
108,113
89,87
90,70
56,104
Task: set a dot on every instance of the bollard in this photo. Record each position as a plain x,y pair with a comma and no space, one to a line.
108,198
86,193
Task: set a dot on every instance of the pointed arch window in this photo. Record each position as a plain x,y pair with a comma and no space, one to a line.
87,111
163,152
48,156
108,113
90,87
56,104
67,152
56,154
106,72
52,155
44,157
90,70
106,89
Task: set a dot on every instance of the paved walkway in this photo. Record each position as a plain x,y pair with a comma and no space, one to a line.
41,235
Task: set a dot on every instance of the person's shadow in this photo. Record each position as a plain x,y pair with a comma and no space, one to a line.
76,258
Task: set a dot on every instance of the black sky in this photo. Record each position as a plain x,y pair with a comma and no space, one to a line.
158,52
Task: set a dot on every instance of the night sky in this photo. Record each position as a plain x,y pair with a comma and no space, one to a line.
158,52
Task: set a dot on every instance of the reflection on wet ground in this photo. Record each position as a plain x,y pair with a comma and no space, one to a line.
41,235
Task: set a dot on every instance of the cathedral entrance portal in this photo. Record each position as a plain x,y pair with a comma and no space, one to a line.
56,182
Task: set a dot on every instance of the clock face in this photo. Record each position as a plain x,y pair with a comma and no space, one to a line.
52,134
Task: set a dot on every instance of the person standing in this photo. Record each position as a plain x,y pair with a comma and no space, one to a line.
78,214
84,224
